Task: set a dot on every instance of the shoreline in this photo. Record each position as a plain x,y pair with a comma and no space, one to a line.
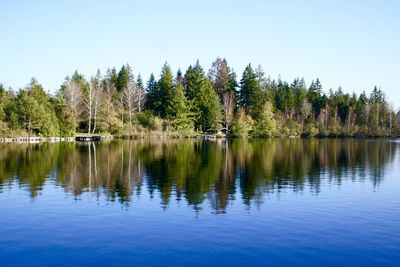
158,135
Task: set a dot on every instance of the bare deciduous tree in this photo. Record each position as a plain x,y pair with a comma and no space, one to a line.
229,106
140,94
306,109
367,111
72,94
109,90
92,102
97,103
129,99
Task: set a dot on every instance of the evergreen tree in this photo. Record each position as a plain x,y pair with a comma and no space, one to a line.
194,83
300,92
250,93
179,78
194,80
210,108
8,114
266,107
165,85
123,76
179,110
316,97
67,117
36,114
153,95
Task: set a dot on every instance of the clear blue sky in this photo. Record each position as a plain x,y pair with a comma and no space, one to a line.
353,44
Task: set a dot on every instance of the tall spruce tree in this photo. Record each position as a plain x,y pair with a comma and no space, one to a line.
153,101
210,117
194,80
250,93
179,110
165,86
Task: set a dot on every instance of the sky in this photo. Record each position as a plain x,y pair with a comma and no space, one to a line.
352,44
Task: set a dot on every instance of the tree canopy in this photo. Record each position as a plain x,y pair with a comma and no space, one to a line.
193,101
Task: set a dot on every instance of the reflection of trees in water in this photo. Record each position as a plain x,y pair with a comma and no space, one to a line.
28,165
194,170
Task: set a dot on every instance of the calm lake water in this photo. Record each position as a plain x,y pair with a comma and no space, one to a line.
280,202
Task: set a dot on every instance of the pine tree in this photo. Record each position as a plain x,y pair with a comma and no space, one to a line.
194,80
123,76
68,119
316,97
210,108
249,94
179,110
165,85
179,78
152,94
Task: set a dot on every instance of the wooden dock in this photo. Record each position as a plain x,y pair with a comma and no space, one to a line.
206,136
90,138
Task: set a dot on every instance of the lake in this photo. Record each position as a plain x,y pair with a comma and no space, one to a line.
252,202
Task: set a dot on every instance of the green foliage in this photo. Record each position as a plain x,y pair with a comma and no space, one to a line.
242,124
153,95
291,128
123,77
144,118
210,115
179,110
165,86
250,94
36,114
206,108
265,125
68,119
147,120
261,107
156,123
310,130
194,80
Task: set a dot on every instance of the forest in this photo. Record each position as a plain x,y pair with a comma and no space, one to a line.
120,103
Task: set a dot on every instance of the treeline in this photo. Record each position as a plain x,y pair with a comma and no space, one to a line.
195,101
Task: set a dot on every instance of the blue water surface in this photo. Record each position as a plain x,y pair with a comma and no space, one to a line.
198,203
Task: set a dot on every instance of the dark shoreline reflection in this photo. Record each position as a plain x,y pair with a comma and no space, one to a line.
194,170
